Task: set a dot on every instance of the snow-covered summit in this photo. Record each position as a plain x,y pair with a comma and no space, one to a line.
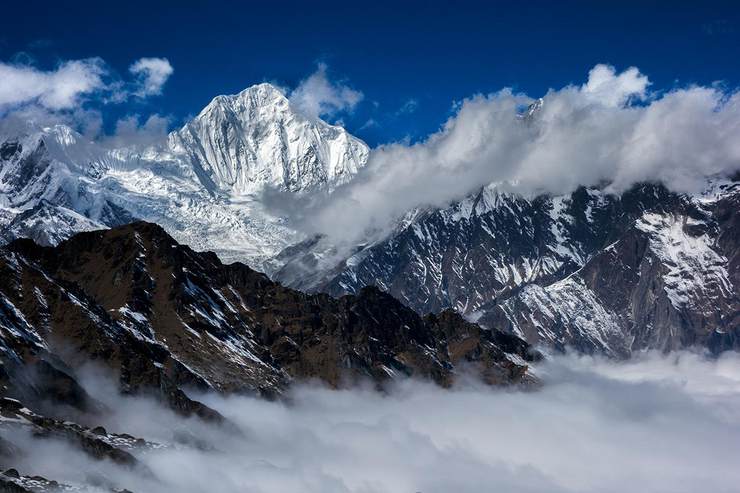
241,143
202,183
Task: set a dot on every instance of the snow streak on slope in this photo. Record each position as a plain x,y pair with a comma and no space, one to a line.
669,281
569,304
691,261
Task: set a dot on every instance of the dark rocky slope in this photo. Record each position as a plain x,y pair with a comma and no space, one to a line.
645,269
161,318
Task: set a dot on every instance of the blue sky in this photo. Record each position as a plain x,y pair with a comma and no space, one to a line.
411,60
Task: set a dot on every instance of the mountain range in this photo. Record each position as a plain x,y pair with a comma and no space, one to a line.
597,272
163,268
614,273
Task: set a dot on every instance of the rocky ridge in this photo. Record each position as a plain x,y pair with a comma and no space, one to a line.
596,271
164,321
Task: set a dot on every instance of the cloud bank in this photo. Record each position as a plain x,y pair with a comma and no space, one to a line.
654,424
609,130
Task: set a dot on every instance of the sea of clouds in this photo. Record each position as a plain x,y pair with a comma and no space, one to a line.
656,423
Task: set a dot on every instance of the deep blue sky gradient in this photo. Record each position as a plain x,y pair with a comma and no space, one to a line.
433,52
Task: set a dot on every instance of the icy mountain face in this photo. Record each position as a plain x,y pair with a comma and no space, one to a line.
476,250
240,144
202,185
669,281
614,274
47,224
41,169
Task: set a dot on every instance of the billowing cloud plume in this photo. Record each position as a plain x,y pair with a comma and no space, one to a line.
610,130
316,96
56,89
152,74
607,87
653,424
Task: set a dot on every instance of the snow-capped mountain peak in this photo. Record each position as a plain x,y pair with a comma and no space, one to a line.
533,109
242,143
202,184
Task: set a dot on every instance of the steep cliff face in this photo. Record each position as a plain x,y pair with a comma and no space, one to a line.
669,281
600,272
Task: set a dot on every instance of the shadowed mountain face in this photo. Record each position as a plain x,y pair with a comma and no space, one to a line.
646,269
132,303
161,316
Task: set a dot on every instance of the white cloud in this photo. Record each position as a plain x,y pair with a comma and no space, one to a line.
608,130
654,424
152,73
73,93
611,89
370,123
130,131
316,96
56,89
75,82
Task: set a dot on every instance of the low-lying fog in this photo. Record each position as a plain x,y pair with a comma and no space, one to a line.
655,423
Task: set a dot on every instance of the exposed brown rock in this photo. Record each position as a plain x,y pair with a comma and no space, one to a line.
162,317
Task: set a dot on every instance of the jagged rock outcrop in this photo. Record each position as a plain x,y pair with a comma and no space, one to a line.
162,316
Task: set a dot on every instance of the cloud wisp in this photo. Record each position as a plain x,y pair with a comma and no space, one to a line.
611,129
653,424
317,96
408,107
152,73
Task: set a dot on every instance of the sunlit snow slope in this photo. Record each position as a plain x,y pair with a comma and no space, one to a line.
202,185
